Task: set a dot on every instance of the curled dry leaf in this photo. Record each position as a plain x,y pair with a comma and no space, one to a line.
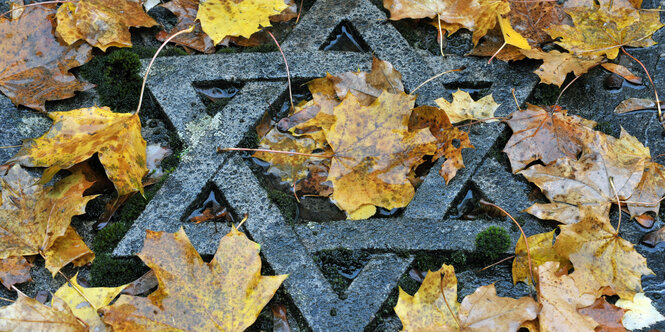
101,23
464,107
36,219
636,104
608,316
545,135
541,251
27,314
560,299
228,293
596,250
35,66
623,72
640,313
78,134
653,238
222,18
556,65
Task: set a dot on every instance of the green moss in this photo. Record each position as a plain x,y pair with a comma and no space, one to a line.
492,242
122,85
604,127
544,95
286,203
107,271
145,52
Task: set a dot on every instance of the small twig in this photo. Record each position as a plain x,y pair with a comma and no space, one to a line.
653,86
243,220
78,290
644,203
145,77
34,4
299,11
500,118
448,305
496,53
295,194
618,203
440,34
515,98
528,254
277,151
435,77
288,74
497,263
10,146
564,89
6,299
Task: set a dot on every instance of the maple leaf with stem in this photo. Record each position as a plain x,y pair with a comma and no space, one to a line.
226,294
34,65
464,107
78,134
101,23
596,250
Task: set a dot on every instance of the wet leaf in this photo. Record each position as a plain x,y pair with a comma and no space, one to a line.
560,299
653,238
640,313
464,107
66,249
571,184
279,321
623,72
101,23
222,18
648,192
79,305
374,152
607,315
596,250
14,270
491,43
34,218
228,293
510,36
636,104
530,18
27,314
556,65
35,66
541,251
366,87
78,134
603,30
185,12
289,168
545,135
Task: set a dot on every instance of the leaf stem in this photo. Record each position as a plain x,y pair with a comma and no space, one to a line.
277,151
34,4
435,77
448,305
145,77
653,86
496,53
618,203
10,146
526,242
497,263
288,74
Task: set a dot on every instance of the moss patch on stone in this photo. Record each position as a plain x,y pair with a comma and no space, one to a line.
286,203
492,242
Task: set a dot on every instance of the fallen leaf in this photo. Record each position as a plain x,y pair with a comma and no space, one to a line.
78,134
366,87
35,66
373,152
560,299
100,297
545,135
541,251
316,115
640,313
595,249
490,45
449,140
221,18
623,72
185,12
464,107
556,65
289,168
529,19
228,293
66,249
35,218
485,311
571,184
101,23
603,31
653,238
510,36
608,316
14,270
27,314
279,321
636,104
647,194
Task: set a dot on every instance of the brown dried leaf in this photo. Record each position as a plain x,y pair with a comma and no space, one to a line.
366,87
185,11
556,65
654,238
623,72
14,270
530,18
607,315
647,194
636,104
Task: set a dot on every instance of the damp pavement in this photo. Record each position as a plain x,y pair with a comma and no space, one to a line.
343,275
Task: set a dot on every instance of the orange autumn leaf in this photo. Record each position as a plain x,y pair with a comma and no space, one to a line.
603,30
226,294
427,310
623,72
529,19
374,151
546,135
78,134
101,23
14,270
597,251
35,66
556,65
27,314
607,315
541,251
608,168
560,298
446,136
35,218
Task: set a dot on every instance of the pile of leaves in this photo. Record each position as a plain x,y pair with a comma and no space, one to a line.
360,139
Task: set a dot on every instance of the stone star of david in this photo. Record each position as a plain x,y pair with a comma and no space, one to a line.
287,248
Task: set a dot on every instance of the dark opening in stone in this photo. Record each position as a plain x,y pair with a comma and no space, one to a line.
216,94
345,38
340,267
209,206
477,90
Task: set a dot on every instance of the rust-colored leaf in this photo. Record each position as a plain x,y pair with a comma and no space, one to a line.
545,135
595,249
14,270
35,66
226,294
185,11
607,315
101,23
653,238
623,72
78,134
529,19
636,104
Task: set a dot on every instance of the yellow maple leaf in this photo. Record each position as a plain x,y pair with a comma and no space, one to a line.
226,294
222,18
595,249
541,251
101,23
510,36
27,314
464,107
78,134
